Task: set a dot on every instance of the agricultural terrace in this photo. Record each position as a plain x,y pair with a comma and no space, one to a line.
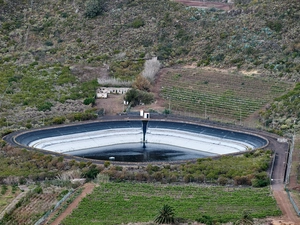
7,195
223,96
34,205
121,203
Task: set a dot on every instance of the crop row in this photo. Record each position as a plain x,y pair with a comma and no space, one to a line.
29,212
200,102
217,94
256,89
206,79
116,203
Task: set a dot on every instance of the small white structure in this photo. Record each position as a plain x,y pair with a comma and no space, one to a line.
103,92
144,114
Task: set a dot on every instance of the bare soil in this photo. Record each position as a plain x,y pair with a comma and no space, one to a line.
112,105
205,4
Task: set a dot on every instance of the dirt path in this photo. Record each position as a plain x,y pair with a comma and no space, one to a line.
289,216
88,188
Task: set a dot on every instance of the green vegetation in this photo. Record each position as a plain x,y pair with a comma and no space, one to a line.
165,215
42,47
247,169
138,22
219,96
65,204
135,97
116,203
7,195
245,220
94,8
18,165
283,114
35,199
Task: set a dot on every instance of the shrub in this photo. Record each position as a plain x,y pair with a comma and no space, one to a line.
138,22
59,120
206,220
48,43
3,189
135,97
222,180
274,25
142,83
106,164
94,8
146,98
45,106
92,172
88,101
38,190
260,180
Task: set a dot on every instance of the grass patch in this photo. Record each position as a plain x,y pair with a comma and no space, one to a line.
117,203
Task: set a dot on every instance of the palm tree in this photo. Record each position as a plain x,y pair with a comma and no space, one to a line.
245,220
165,215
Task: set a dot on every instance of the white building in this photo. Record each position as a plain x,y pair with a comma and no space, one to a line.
103,92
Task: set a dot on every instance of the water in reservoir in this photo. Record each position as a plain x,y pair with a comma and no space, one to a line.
137,153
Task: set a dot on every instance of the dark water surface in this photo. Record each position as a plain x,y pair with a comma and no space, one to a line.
136,153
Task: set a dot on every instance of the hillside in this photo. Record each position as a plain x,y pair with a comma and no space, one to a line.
260,35
52,52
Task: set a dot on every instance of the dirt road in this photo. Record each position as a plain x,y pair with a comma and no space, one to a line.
88,188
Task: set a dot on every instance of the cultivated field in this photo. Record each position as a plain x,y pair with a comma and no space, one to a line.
7,195
217,95
121,203
34,205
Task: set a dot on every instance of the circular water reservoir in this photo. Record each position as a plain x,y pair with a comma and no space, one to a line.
140,141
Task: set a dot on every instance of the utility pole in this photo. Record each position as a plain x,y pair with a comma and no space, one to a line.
205,111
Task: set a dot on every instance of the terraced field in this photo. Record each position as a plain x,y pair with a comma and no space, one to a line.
32,207
218,95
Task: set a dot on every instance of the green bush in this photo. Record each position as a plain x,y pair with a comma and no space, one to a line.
107,164
45,106
59,120
135,96
88,101
274,25
38,190
208,220
4,189
92,172
138,22
94,8
48,43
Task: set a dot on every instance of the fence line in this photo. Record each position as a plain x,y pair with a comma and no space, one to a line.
287,178
42,219
293,202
